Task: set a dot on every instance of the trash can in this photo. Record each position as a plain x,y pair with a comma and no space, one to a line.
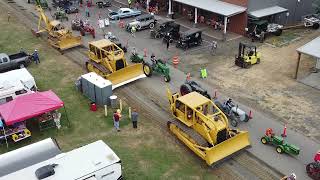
113,101
93,106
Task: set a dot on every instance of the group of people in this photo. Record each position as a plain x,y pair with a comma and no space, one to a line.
117,118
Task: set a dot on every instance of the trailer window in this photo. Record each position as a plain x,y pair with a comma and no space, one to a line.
23,91
9,98
0,61
3,100
5,59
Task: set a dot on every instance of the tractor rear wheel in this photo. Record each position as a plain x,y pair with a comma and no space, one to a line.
147,69
258,61
167,78
234,123
233,120
185,89
264,140
279,149
315,26
246,118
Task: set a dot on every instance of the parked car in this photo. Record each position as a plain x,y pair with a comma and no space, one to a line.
142,22
165,26
102,4
123,13
312,21
14,61
189,39
262,28
71,10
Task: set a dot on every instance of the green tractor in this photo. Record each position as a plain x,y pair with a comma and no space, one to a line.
281,145
136,58
158,66
60,14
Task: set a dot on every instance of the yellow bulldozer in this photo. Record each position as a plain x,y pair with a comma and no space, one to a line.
58,36
204,128
107,59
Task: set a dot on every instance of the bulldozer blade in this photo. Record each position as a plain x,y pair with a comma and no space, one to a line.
217,153
126,75
69,42
227,148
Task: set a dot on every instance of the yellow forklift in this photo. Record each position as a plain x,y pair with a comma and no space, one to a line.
247,56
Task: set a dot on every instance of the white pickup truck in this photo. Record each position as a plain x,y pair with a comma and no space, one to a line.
14,61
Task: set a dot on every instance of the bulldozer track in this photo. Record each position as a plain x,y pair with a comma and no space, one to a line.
155,108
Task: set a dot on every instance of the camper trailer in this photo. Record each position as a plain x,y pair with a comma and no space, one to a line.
95,161
15,83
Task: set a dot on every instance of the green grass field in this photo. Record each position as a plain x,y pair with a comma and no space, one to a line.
147,153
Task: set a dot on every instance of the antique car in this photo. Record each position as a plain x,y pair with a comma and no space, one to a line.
189,39
142,22
123,13
103,4
165,26
71,10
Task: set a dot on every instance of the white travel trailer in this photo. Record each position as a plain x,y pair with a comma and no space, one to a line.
95,161
15,83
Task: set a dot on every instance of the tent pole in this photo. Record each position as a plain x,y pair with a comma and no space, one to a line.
5,137
69,124
297,67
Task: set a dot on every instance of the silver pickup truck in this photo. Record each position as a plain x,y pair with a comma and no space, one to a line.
14,61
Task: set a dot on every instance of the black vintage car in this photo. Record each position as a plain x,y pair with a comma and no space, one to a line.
104,3
164,27
189,39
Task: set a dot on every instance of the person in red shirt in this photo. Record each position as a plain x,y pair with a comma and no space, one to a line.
116,119
317,157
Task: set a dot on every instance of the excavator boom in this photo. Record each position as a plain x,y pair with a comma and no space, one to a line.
60,38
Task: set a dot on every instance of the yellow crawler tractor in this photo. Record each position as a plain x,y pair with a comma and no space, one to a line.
107,59
210,136
58,36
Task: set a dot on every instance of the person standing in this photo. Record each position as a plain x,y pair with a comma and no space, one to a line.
116,119
168,42
129,3
133,31
134,118
36,57
8,16
87,11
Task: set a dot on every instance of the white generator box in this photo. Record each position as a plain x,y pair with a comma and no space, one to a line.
96,88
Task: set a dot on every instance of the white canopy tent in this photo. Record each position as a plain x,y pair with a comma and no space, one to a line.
312,48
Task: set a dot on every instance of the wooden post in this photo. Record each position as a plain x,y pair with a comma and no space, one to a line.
106,110
120,104
298,64
129,111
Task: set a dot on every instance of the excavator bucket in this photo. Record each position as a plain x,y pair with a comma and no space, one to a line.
126,75
227,148
68,42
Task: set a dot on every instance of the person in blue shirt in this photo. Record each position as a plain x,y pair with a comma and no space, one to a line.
36,56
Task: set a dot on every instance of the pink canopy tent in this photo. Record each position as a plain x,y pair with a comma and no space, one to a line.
28,106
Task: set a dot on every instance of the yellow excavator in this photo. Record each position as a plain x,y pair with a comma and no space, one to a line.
107,59
204,128
58,36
